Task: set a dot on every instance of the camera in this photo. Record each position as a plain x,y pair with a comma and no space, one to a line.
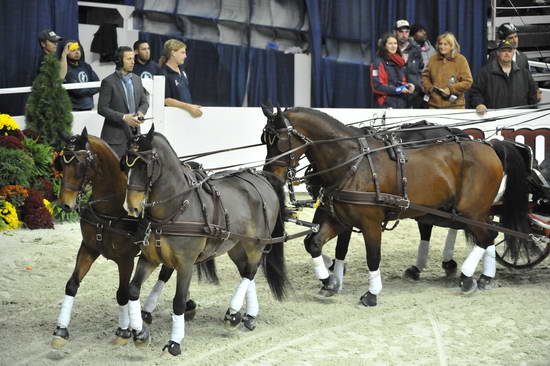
452,98
73,46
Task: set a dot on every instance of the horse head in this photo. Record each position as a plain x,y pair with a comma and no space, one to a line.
143,166
282,141
77,163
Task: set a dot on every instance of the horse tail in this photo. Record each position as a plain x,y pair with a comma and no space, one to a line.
516,196
207,270
273,262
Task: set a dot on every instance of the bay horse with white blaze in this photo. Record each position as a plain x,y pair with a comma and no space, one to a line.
106,228
190,218
365,188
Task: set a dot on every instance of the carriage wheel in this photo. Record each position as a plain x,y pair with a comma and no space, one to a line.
530,253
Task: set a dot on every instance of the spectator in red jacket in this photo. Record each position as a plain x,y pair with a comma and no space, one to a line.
388,75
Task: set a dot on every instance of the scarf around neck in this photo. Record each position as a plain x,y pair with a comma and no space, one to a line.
397,59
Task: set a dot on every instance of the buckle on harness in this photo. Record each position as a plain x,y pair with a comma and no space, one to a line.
158,232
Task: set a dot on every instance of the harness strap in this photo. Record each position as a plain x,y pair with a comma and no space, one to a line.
199,229
391,200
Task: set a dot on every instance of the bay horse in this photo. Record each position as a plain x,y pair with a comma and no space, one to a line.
365,188
190,218
106,229
418,132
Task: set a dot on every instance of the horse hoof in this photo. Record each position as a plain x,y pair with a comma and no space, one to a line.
449,267
331,285
58,342
141,338
173,348
468,285
486,283
232,320
147,317
249,322
412,273
368,299
60,337
122,336
190,310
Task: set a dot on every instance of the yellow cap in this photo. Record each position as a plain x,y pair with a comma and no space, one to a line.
73,46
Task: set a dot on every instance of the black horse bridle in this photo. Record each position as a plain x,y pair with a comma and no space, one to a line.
80,157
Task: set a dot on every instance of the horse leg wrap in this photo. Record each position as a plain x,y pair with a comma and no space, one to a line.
422,256
178,328
449,248
123,317
339,272
471,262
489,262
375,282
65,313
134,309
237,301
319,267
252,306
153,297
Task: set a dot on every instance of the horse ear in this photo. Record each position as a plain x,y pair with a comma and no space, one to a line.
65,137
267,109
151,133
84,134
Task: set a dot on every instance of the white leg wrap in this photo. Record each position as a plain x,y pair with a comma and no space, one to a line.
252,306
65,313
178,328
134,309
422,256
339,272
489,262
123,317
238,298
153,297
471,262
449,248
375,282
319,267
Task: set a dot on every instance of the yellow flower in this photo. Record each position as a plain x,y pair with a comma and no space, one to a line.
8,123
8,216
48,205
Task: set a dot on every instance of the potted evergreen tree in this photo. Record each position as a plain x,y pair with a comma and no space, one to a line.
49,107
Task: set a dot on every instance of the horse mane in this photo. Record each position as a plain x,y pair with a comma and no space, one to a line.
98,144
322,115
158,134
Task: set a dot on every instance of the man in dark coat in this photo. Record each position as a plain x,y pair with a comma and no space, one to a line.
122,100
502,83
414,62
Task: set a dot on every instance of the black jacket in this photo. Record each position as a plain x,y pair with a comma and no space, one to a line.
82,99
493,88
414,66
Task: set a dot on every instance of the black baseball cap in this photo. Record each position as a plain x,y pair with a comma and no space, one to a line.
505,44
49,35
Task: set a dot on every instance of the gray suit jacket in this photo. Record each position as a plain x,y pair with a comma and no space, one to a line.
113,106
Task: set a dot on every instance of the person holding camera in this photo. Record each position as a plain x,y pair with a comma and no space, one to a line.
80,72
447,75
48,41
503,83
123,101
388,75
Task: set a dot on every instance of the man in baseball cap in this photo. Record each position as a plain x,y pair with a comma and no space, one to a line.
48,43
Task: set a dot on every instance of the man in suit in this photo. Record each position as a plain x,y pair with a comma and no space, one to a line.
122,100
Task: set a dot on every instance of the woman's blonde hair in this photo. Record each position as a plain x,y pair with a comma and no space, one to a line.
169,46
450,39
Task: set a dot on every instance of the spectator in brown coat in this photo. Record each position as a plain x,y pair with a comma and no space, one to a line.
447,75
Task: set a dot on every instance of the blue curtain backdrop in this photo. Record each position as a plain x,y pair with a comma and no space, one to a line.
343,36
20,23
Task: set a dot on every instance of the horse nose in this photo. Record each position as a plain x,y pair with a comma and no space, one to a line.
134,212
